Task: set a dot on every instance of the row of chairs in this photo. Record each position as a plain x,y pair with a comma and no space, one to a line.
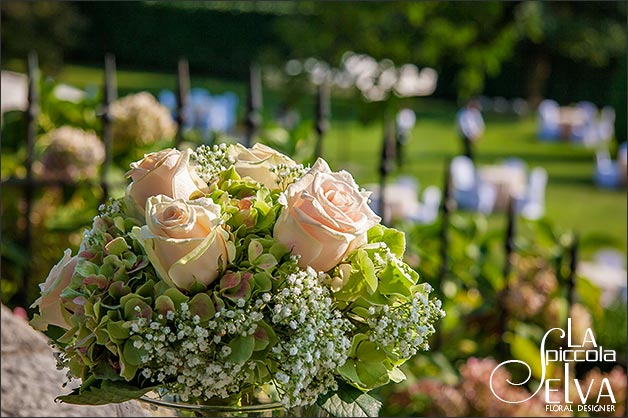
592,128
472,192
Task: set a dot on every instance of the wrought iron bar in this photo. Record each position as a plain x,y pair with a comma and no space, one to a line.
573,267
183,89
322,117
446,209
386,167
509,246
32,113
110,94
254,104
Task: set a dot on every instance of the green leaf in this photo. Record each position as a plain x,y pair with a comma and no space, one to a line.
85,268
369,352
365,264
349,373
163,304
278,250
372,374
255,250
394,239
266,261
395,281
263,282
116,246
396,375
203,306
108,392
176,296
349,402
241,348
119,330
132,355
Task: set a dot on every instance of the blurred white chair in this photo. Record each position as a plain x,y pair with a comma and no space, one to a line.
401,198
463,174
14,91
606,125
588,108
516,163
587,132
469,192
532,206
548,120
430,205
68,93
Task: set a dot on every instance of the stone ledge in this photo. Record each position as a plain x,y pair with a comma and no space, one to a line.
31,381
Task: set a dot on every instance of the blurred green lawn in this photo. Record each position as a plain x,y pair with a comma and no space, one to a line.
572,199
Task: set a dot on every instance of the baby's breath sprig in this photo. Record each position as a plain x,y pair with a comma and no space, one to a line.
405,328
316,340
192,359
211,161
286,175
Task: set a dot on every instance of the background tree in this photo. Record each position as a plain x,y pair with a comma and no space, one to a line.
50,28
472,38
585,33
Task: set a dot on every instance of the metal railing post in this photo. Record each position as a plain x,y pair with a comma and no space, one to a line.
322,117
32,113
109,96
183,89
253,104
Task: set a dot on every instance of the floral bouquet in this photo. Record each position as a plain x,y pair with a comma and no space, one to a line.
225,271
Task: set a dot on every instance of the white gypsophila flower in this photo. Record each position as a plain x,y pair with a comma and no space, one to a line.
211,161
191,360
287,174
404,329
316,340
140,119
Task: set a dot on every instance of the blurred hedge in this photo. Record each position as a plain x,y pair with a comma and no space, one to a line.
156,35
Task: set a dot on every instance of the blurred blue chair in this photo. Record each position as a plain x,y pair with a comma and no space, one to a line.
607,172
223,112
548,120
168,99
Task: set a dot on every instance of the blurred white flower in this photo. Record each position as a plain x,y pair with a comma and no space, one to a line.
71,154
140,119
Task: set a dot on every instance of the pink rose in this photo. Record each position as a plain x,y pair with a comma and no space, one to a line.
51,311
259,162
184,241
325,216
166,172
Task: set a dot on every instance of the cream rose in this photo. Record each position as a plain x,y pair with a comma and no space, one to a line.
166,172
325,216
51,311
257,163
184,240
